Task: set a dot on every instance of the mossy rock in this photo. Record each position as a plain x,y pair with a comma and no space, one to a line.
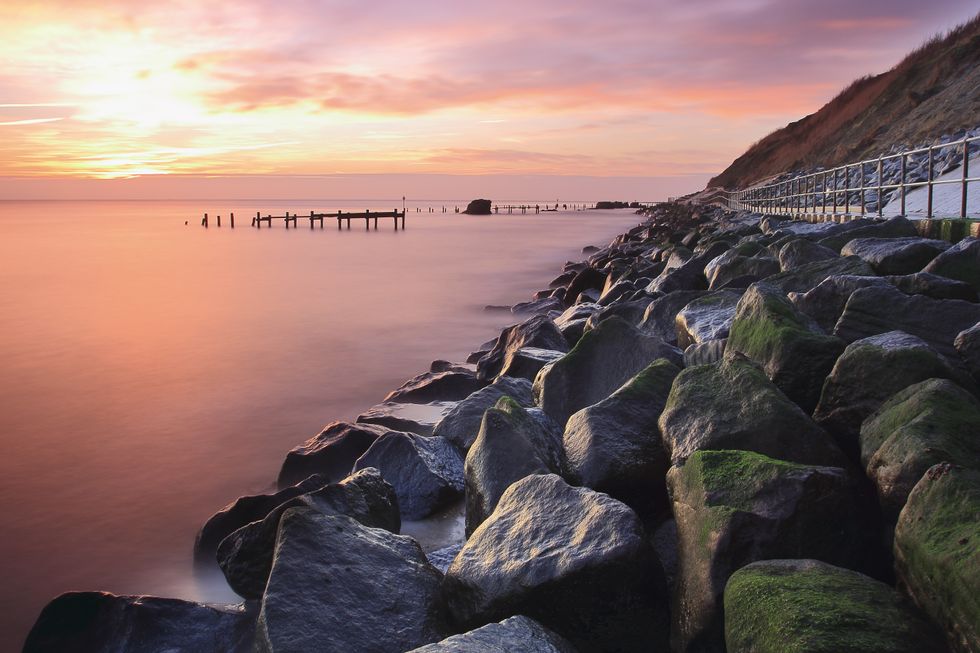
922,425
937,551
808,606
733,405
736,507
795,354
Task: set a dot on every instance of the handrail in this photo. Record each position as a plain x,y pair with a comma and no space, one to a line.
816,192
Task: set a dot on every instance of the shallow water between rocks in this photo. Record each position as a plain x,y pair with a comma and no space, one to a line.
154,371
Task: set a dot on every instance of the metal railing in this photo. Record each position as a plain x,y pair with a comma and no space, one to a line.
832,192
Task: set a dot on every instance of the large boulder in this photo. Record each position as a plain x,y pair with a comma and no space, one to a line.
245,556
426,472
539,331
703,353
478,207
825,302
967,344
897,227
870,311
920,426
961,261
526,362
81,622
808,276
937,557
575,560
514,635
630,310
603,360
870,371
511,444
331,453
800,251
736,507
615,447
708,317
895,255
933,285
451,385
586,279
732,405
794,352
337,585
808,606
740,267
414,418
660,317
461,424
245,510
687,276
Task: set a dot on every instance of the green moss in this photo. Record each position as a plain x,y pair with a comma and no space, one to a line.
954,230
732,478
655,380
810,607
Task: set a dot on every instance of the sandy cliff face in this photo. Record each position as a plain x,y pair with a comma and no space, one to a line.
935,90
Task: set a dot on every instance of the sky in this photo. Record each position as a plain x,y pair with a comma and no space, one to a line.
161,95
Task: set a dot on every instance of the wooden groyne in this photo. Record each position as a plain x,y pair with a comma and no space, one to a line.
315,219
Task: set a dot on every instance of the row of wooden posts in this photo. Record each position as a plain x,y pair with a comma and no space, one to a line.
368,216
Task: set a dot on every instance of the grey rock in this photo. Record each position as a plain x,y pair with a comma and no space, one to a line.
704,353
442,558
414,418
540,306
933,285
461,424
825,302
800,251
898,227
708,317
513,635
586,279
960,262
810,275
660,317
451,385
967,344
539,331
526,362
331,453
895,255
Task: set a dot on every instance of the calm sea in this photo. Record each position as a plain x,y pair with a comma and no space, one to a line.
154,371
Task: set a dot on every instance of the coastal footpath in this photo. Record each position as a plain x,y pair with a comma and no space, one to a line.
721,432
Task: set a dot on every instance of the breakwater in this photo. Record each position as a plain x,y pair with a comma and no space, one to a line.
715,409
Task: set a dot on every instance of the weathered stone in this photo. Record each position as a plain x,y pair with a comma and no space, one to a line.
461,424
961,261
511,444
810,275
538,332
897,227
895,255
540,306
792,350
740,266
526,362
513,635
937,557
660,317
920,426
706,318
586,279
733,405
967,344
631,311
705,353
442,558
331,453
800,251
870,311
478,207
414,418
573,559
604,359
736,507
870,371
807,606
933,285
452,385
339,586
426,472
825,302
615,447
245,556
689,276
80,622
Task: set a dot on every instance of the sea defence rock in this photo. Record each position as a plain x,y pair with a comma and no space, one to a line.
961,262
600,585
807,276
331,453
630,310
870,371
870,311
540,306
426,472
800,251
920,426
586,279
414,418
572,322
897,227
339,586
933,285
967,344
511,444
513,635
740,267
782,606
245,510
603,360
461,424
895,255
736,507
79,622
478,207
245,556
825,302
708,317
937,559
451,385
526,362
732,405
660,317
539,331
615,446
792,350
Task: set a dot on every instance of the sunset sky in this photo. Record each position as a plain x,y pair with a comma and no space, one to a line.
619,88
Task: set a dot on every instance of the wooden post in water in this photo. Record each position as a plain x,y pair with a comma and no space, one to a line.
367,219
204,222
219,220
232,220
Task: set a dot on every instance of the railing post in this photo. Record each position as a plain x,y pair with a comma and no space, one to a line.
929,185
966,175
835,192
880,198
861,171
847,190
901,186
